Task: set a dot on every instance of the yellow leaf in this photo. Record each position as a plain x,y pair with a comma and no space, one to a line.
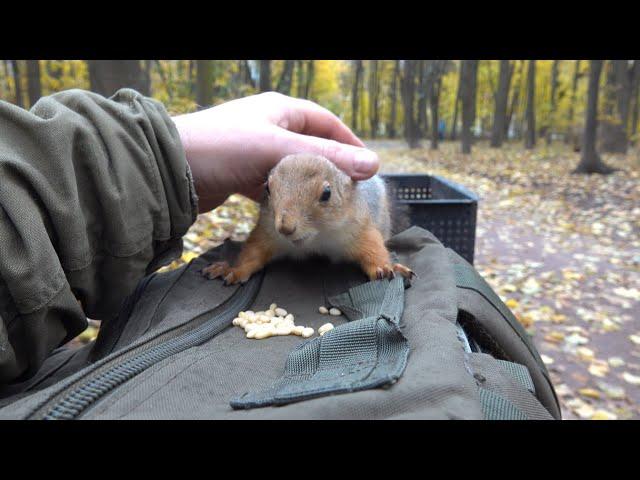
188,256
604,415
589,392
512,303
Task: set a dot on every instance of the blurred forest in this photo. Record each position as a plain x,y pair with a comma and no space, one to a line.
428,101
561,250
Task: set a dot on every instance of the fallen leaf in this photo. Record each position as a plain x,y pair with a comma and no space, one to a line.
589,392
632,379
603,415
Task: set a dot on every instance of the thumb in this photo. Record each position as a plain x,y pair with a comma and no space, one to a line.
357,162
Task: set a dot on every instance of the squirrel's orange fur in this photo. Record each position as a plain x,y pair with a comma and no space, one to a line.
298,218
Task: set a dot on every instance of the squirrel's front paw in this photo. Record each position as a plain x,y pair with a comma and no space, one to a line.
230,275
406,272
389,271
216,269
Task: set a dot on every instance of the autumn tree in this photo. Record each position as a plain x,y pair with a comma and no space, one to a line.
355,93
621,76
422,125
374,97
17,84
501,98
515,96
393,100
456,104
571,137
108,76
435,85
469,83
34,87
286,78
590,161
310,74
204,83
245,73
554,102
408,93
636,111
265,75
530,137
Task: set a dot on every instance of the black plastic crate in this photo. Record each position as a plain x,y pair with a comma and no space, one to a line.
446,209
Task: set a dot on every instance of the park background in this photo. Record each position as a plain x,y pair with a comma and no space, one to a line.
551,147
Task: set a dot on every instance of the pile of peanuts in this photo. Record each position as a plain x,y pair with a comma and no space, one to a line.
277,321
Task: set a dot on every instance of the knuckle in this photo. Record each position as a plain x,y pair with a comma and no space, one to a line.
330,149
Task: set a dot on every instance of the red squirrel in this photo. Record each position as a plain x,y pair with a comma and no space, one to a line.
310,207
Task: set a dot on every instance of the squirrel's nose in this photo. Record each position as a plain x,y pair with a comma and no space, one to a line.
285,226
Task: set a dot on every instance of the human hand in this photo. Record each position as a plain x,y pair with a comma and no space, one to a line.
232,147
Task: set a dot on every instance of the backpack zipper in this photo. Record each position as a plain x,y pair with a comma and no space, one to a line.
72,401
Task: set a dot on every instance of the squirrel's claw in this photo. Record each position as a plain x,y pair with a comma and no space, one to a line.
216,269
406,272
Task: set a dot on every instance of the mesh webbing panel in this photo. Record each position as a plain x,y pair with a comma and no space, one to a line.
368,352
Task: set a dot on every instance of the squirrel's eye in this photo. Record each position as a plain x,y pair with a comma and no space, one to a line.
266,189
326,194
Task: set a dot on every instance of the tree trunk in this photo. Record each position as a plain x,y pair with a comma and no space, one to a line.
393,96
204,83
300,78
571,136
284,84
500,112
408,90
4,75
192,82
515,96
590,161
167,80
308,87
374,96
454,124
108,76
245,73
621,78
469,79
636,114
33,81
424,69
355,94
612,134
16,81
434,101
530,138
552,110
265,75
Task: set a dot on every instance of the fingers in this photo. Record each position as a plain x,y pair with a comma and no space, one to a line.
309,118
359,163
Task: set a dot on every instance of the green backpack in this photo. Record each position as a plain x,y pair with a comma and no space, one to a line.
445,347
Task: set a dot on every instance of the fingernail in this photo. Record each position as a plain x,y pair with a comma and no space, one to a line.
365,161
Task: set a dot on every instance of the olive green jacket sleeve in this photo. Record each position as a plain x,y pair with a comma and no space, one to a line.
94,194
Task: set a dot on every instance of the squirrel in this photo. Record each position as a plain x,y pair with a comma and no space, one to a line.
310,207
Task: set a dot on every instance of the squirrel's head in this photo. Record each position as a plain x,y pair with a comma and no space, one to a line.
307,194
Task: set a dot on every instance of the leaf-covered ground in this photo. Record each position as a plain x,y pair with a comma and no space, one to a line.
562,250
